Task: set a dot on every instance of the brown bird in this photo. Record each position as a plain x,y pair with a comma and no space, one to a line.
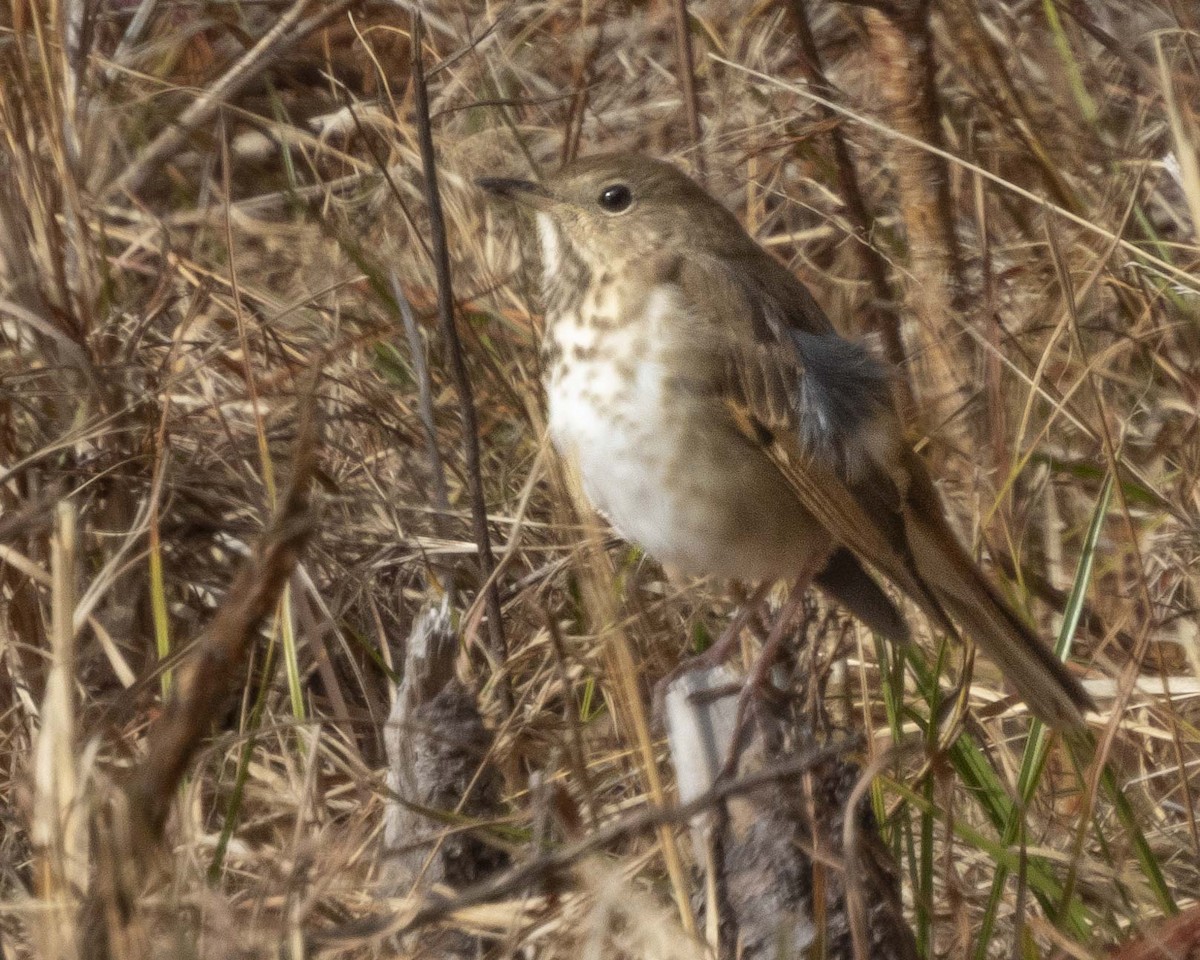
717,419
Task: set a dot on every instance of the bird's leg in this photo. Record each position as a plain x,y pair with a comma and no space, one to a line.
761,671
719,652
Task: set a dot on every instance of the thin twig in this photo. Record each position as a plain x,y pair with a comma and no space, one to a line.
416,350
582,85
856,906
458,367
687,81
881,311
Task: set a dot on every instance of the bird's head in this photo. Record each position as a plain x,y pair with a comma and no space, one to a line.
613,208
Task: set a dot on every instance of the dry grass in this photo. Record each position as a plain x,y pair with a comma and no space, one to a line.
160,306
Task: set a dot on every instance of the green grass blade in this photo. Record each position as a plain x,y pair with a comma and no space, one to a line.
158,608
234,805
1037,749
291,657
1145,856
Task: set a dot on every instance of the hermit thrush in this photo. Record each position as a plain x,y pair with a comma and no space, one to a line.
717,418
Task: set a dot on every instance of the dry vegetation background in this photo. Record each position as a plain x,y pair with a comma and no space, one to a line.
192,220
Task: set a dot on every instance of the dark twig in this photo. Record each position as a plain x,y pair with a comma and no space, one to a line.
416,350
687,81
882,314
458,368
582,81
208,677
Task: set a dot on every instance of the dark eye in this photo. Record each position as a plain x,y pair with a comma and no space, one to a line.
616,198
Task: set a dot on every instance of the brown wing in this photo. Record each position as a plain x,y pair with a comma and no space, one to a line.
865,514
821,407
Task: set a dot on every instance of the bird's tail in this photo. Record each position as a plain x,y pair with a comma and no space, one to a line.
955,582
849,584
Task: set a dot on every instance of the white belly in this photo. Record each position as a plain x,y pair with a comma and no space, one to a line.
668,469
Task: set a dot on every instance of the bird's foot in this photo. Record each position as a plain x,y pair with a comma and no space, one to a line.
758,681
718,653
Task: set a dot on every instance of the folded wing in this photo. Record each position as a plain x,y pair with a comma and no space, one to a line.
821,406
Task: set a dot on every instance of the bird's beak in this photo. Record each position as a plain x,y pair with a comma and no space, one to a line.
524,192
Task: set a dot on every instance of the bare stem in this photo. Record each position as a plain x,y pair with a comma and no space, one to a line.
881,312
454,351
687,81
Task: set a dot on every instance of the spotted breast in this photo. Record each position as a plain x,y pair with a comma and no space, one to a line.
654,450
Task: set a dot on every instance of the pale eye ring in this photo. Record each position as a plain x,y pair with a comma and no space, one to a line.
615,198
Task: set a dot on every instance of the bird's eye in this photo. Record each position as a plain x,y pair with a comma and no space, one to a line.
615,198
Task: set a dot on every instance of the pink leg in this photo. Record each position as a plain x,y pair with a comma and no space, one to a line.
719,652
761,671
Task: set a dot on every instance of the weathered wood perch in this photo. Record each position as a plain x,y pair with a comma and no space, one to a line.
775,859
439,777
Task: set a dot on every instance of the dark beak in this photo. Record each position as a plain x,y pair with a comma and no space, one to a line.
522,191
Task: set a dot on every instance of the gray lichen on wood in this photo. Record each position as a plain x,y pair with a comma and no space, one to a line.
439,775
775,858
